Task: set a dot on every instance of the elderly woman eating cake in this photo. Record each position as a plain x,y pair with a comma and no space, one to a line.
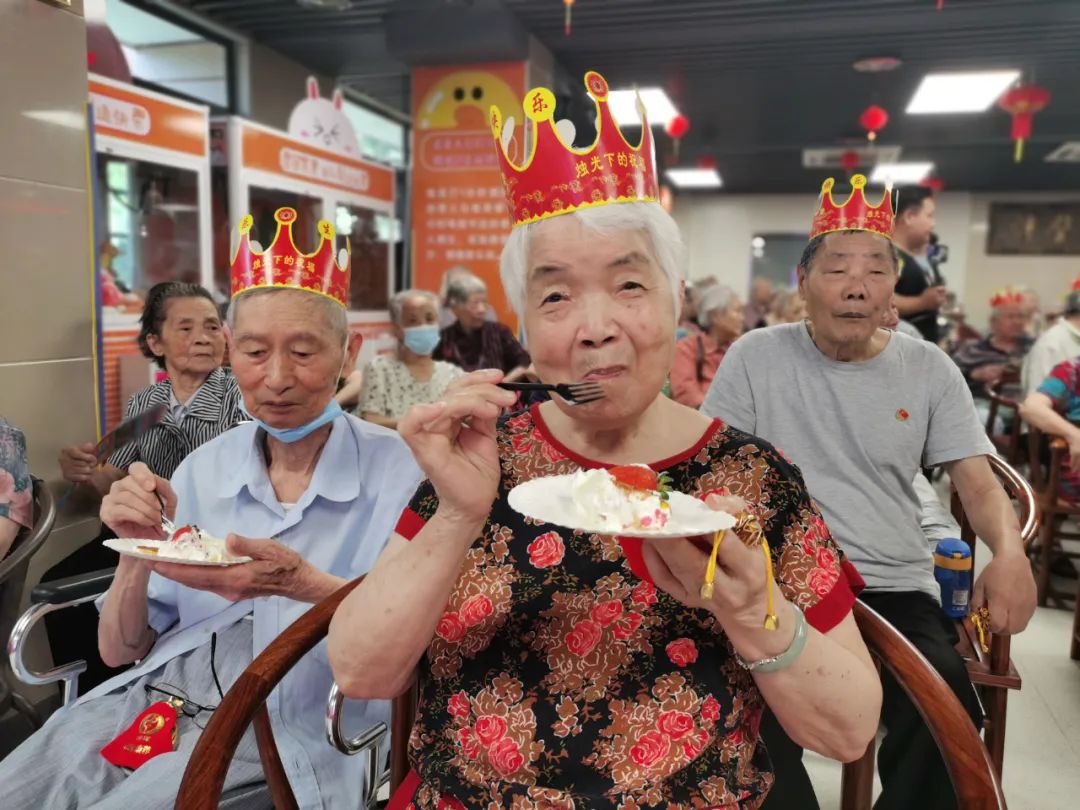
562,668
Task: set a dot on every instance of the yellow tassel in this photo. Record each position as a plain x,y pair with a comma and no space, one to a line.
710,571
771,622
1018,152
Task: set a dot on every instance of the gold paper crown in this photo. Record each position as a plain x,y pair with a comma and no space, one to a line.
556,178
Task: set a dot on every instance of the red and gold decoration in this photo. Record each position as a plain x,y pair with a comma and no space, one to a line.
873,119
152,733
849,160
1022,103
284,265
557,179
856,214
1006,297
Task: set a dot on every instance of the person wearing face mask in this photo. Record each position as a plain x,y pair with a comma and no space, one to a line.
316,494
394,383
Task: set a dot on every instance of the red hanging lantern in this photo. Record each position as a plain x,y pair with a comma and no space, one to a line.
706,162
1022,103
849,160
935,184
567,15
873,120
677,128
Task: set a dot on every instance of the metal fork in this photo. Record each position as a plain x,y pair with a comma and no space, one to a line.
166,524
575,393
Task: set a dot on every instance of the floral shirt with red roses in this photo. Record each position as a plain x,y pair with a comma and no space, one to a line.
561,677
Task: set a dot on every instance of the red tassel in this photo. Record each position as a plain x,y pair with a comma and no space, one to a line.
567,18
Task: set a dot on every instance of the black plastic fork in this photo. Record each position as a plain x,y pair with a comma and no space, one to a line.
576,393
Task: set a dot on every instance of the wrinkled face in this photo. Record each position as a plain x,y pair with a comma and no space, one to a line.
1009,323
417,310
849,286
920,222
728,323
287,357
599,308
472,312
191,338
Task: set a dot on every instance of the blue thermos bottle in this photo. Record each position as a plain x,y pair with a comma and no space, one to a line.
952,570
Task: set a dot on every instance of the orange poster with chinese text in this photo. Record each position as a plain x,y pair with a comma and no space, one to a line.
459,214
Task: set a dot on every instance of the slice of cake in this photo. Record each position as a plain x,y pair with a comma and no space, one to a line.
629,498
192,543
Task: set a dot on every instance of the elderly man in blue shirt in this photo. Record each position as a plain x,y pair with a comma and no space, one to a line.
315,494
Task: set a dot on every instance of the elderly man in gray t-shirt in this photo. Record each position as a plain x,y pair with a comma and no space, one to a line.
860,409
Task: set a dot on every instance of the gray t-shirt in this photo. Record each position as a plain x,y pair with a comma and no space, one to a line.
859,432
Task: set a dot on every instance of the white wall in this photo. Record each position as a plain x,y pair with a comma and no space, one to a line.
718,229
1050,276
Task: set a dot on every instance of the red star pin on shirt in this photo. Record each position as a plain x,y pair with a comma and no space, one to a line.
902,415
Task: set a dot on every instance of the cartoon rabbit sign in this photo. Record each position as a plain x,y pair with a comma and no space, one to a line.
322,122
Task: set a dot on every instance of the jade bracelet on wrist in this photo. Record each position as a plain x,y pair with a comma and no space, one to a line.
775,663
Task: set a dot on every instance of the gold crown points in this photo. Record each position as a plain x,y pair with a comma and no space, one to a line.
286,217
539,106
858,186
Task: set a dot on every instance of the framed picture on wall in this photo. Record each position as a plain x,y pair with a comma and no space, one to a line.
1034,229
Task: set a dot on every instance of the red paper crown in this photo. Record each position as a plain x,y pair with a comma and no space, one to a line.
284,265
1007,297
557,179
854,215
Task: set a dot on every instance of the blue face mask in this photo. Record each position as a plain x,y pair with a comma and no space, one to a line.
422,339
295,434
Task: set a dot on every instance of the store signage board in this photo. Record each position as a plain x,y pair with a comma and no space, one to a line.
269,151
133,114
459,214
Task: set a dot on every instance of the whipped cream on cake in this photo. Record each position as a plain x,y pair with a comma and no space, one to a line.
630,498
190,543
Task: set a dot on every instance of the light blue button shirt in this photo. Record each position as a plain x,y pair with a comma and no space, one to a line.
362,482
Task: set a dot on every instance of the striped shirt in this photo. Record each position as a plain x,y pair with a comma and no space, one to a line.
213,409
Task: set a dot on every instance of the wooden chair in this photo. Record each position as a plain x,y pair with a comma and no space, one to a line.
993,674
1045,456
966,758
1007,442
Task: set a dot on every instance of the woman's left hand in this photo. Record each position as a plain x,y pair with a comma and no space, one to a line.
274,570
739,595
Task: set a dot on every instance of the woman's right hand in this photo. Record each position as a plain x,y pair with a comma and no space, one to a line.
131,509
78,462
454,442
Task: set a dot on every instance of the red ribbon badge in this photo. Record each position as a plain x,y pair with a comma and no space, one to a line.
152,733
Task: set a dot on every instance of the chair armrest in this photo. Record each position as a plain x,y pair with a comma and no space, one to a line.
69,589
370,742
47,598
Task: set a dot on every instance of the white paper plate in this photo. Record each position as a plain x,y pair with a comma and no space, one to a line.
550,499
129,547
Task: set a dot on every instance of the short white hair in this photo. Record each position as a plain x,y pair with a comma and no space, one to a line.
715,298
336,317
398,299
650,218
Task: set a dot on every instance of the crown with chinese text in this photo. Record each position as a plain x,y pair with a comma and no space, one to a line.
1006,297
557,178
856,214
284,265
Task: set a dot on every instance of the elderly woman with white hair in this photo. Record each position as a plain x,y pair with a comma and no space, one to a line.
561,668
316,493
394,383
473,342
720,316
